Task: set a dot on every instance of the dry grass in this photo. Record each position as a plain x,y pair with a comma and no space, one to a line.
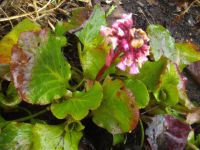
44,12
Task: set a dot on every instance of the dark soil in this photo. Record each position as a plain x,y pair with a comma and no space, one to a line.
167,13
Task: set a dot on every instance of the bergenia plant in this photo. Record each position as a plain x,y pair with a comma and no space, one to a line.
86,70
128,43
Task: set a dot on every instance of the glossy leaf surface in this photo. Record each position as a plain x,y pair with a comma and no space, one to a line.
139,91
161,42
93,53
38,67
79,105
187,53
151,72
118,112
47,137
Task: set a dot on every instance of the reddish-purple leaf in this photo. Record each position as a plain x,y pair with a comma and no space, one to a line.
167,132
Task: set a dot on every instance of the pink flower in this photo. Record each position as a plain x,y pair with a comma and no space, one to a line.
131,42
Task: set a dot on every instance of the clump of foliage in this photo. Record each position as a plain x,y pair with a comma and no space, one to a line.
126,76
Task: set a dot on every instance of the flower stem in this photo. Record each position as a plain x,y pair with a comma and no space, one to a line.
142,134
105,67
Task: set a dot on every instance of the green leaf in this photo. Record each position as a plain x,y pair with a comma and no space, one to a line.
118,138
73,134
139,91
161,42
79,16
163,79
11,39
89,34
151,72
11,97
71,140
168,94
118,112
38,67
92,60
168,88
47,137
73,125
16,136
187,53
79,105
92,55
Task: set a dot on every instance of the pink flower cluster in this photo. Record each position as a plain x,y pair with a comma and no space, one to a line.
131,42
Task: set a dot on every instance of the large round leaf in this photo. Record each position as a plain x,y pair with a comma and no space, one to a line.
38,68
118,112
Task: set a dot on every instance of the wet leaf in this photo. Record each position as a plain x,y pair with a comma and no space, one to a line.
16,136
118,112
161,42
11,39
10,98
167,132
48,137
38,67
187,53
75,22
79,105
139,91
93,53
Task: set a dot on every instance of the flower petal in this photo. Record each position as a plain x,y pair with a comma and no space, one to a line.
121,66
105,31
134,69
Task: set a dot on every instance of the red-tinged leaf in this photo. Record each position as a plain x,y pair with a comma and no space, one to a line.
38,69
118,112
11,38
22,61
167,132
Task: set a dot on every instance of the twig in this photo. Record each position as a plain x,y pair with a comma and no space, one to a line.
7,17
31,13
187,9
